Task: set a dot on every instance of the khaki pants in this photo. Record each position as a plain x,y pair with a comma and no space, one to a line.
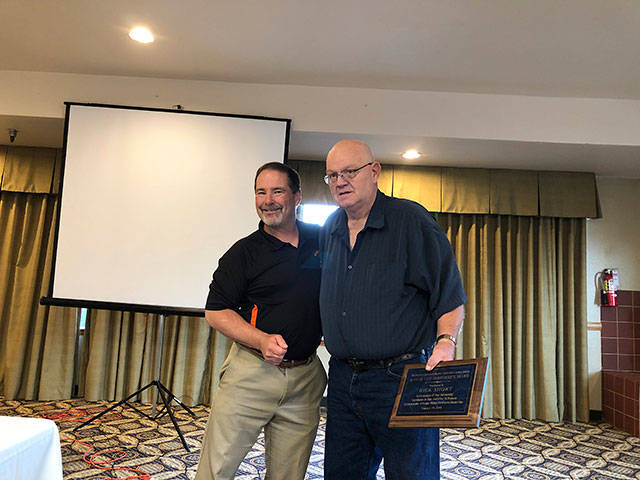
252,395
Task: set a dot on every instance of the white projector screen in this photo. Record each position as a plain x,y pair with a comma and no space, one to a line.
150,201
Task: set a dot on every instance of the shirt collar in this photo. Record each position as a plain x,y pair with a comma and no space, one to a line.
375,219
376,215
276,243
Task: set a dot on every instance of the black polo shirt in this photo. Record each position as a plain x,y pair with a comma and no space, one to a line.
384,297
280,280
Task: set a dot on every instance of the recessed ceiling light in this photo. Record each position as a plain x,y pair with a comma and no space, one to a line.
411,154
141,34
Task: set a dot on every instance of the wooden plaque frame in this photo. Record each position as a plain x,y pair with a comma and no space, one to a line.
470,418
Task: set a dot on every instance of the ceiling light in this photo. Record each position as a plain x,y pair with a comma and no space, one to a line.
411,154
141,34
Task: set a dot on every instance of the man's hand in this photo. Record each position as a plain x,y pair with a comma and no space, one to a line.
449,324
273,348
442,351
229,323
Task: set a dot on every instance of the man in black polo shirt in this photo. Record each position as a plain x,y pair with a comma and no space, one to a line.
391,292
264,295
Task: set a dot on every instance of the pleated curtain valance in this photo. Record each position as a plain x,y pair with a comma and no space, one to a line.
30,169
438,189
473,190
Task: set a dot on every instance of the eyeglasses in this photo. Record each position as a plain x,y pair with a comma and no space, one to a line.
347,174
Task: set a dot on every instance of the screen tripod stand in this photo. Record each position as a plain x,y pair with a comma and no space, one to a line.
163,392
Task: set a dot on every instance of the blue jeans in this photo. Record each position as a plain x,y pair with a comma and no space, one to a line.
358,437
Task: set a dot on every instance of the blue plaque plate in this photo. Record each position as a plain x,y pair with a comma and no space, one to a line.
449,395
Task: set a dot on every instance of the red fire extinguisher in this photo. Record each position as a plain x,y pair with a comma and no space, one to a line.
609,287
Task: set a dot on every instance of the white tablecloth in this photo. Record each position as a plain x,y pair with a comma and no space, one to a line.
29,449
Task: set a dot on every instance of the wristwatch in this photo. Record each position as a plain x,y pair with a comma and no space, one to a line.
447,336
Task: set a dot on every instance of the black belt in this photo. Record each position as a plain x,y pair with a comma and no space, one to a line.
296,363
360,365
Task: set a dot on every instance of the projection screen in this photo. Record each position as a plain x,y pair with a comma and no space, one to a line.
150,201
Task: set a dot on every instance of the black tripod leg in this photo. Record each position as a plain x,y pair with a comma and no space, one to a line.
175,399
121,402
139,411
173,420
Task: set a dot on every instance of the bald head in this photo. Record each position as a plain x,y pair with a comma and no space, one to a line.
354,149
355,186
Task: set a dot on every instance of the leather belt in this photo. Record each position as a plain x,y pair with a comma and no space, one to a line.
360,365
285,363
295,363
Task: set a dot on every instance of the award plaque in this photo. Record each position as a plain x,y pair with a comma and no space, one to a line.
450,395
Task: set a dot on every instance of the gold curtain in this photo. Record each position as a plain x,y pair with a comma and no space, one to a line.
122,348
420,184
473,190
568,194
525,278
37,344
29,169
314,190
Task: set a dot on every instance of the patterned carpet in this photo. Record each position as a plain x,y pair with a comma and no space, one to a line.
499,449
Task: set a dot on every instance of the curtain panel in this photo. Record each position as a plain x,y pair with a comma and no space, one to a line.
29,169
525,279
37,343
122,350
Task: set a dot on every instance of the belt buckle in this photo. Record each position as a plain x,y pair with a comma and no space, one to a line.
288,363
285,364
357,365
295,363
400,358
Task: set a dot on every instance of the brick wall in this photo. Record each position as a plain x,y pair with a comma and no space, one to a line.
620,338
621,333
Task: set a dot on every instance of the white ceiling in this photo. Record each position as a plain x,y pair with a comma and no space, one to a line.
571,48
579,48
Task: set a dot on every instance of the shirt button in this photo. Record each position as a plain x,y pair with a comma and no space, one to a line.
350,267
344,314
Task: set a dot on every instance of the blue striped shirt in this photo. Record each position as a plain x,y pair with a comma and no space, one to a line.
384,297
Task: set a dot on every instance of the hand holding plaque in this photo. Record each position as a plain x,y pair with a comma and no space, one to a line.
450,395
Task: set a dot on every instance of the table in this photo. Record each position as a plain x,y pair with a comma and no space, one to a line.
29,449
